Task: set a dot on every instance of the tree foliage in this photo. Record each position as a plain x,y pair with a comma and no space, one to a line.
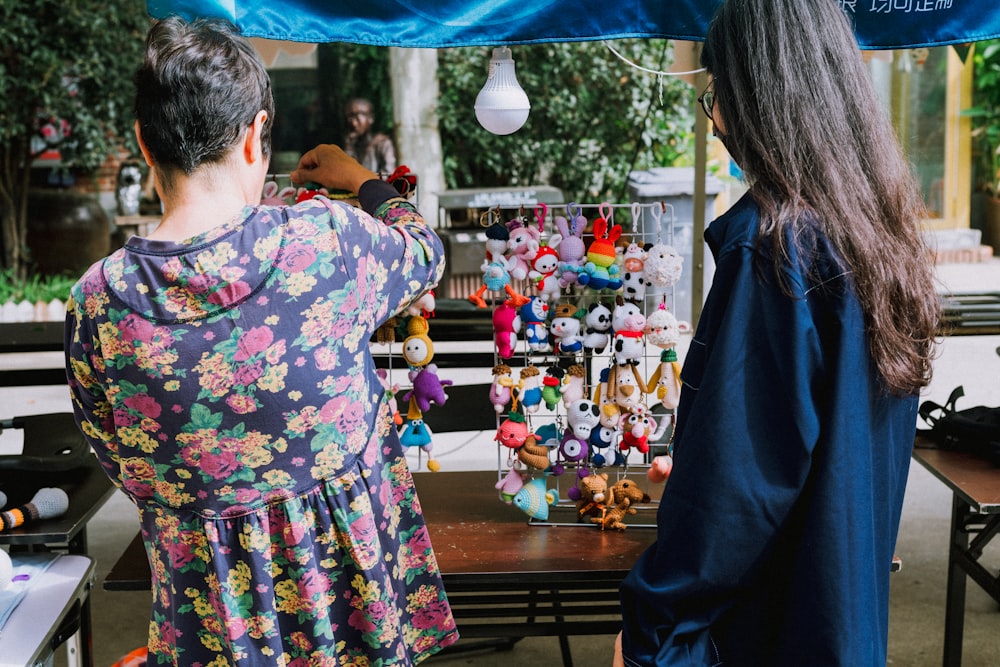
72,61
985,114
593,118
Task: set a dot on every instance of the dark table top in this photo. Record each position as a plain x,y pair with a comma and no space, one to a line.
475,533
31,336
87,486
973,479
477,537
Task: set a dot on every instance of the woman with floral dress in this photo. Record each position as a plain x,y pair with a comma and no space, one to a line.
220,369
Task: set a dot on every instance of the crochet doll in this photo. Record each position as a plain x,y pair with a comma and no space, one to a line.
572,249
600,272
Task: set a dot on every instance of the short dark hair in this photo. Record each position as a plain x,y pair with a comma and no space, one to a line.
200,86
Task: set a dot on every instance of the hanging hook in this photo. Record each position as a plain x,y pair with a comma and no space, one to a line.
636,214
541,216
489,216
573,210
656,212
606,211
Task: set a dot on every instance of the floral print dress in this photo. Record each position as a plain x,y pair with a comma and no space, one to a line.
227,387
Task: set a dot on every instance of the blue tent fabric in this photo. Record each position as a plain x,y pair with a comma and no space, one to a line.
880,24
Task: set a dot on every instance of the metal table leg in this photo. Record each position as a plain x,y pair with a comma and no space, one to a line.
954,616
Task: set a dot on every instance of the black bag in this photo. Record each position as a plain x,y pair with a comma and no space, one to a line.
973,430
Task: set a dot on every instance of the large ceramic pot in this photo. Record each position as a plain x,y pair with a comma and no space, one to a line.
67,231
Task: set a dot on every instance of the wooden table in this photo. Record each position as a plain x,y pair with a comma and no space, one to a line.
506,578
975,486
504,575
88,489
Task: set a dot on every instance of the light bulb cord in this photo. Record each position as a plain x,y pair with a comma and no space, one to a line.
646,69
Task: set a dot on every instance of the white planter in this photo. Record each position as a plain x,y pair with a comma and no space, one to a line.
24,311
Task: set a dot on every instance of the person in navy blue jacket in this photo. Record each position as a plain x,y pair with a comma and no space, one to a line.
778,523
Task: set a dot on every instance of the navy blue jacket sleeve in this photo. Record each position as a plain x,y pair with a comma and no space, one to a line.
749,426
777,524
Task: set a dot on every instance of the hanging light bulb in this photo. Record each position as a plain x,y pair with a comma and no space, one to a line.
502,106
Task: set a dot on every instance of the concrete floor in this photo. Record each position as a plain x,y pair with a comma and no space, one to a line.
916,623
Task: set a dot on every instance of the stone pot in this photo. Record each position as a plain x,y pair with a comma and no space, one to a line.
67,231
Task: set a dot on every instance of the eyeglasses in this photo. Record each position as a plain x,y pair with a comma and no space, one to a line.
707,100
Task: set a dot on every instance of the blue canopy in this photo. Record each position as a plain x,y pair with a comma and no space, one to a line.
880,24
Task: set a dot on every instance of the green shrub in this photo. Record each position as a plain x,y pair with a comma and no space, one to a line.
62,61
593,118
35,288
985,115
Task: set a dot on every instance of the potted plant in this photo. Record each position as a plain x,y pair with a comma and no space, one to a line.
66,72
985,118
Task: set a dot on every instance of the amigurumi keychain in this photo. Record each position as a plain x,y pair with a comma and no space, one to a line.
605,436
597,327
660,468
664,331
627,324
496,266
513,431
533,453
522,245
667,380
428,388
534,313
500,389
418,351
622,498
510,484
565,328
416,433
529,389
276,196
662,266
633,277
506,325
600,272
534,498
569,241
423,305
574,384
418,348
552,386
543,273
638,430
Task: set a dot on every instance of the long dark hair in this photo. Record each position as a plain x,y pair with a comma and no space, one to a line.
801,114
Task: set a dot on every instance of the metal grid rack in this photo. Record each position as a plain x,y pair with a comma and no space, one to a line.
644,225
